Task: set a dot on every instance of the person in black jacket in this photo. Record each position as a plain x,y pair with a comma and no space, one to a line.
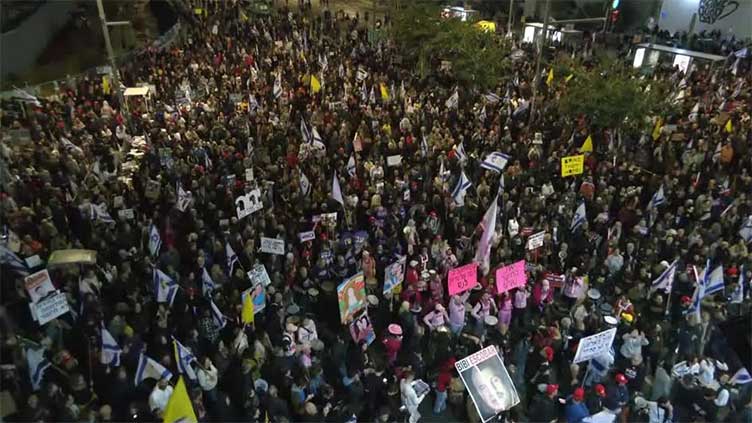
544,407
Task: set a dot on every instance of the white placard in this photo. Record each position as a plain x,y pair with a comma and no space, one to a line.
307,236
33,261
39,285
259,275
535,240
392,161
247,204
126,214
249,175
272,246
51,308
594,345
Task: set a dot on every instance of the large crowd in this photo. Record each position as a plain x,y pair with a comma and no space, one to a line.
238,93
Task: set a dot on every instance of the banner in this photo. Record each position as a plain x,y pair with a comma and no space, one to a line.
535,240
462,278
272,246
361,329
510,277
246,205
572,165
488,383
307,236
394,274
594,345
258,274
50,308
351,295
39,286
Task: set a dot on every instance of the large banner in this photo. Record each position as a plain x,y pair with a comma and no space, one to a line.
462,278
351,295
594,345
510,277
488,383
394,274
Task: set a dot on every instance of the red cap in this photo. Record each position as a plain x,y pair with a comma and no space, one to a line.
552,389
549,353
579,394
600,390
685,299
732,272
621,379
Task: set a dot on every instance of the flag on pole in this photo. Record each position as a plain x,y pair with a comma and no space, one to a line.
111,351
384,92
277,88
247,313
179,407
714,281
351,167
305,185
453,100
372,96
38,365
424,146
483,253
336,191
217,316
99,213
694,114
459,150
155,241
232,258
458,194
741,377
658,199
11,259
315,137
184,198
315,84
492,98
587,146
482,116
305,132
495,162
550,77
165,287
665,281
580,217
696,305
207,283
150,369
183,359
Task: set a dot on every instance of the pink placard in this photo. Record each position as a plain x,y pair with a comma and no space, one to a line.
463,278
512,276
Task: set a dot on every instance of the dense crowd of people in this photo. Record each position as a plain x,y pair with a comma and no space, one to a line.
302,100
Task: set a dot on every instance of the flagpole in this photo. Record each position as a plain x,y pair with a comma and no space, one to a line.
668,301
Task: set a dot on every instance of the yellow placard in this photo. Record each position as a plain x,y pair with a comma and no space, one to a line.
572,165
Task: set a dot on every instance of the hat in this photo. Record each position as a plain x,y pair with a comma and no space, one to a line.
594,294
491,320
640,403
600,390
313,292
552,389
685,299
293,309
416,308
395,329
549,353
372,300
611,320
413,263
579,394
620,379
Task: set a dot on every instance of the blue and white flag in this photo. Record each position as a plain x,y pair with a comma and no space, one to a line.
219,319
658,199
501,185
99,213
351,167
746,230
252,103
207,283
492,98
580,217
150,369
665,281
737,297
305,185
459,150
277,89
71,148
483,254
184,198
305,132
336,190
232,258
38,364
183,359
315,137
111,351
11,259
695,113
155,241
482,115
165,287
741,377
458,194
696,305
713,281
495,162
453,100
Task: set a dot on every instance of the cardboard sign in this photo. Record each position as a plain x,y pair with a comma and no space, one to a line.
272,246
572,165
326,219
392,161
394,274
39,285
351,296
307,236
152,190
554,280
463,278
126,214
51,308
361,329
510,277
488,383
594,345
258,274
535,240
249,175
246,205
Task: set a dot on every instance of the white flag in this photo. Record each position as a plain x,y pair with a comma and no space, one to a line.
165,287
150,369
183,358
155,241
458,194
351,167
580,217
336,191
483,254
495,162
453,100
111,351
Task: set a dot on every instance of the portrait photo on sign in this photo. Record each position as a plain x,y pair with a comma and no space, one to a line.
361,329
351,295
489,385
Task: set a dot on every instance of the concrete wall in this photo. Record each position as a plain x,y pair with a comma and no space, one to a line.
728,16
22,46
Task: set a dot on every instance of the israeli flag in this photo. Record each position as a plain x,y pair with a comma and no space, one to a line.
232,258
459,150
495,162
305,132
165,287
26,97
184,198
155,241
207,283
453,100
111,351
658,199
336,190
351,167
38,364
492,98
277,89
746,231
714,281
458,194
695,113
737,297
305,185
323,62
699,294
150,369
741,377
219,319
665,281
99,213
71,148
183,358
315,136
363,93
424,146
580,217
11,259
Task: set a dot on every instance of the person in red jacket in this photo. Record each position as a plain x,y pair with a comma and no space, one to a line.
393,343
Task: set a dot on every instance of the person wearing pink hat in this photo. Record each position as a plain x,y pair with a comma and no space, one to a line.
438,317
393,343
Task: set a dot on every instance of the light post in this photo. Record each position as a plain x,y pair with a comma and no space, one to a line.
111,57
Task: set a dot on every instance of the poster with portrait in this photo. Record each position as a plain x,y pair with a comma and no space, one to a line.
394,274
258,297
351,295
361,329
488,383
39,286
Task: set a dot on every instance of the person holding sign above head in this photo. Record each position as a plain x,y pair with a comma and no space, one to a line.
457,312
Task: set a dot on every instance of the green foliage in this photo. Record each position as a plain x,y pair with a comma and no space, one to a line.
424,38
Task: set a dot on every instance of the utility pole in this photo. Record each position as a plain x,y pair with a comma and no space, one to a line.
111,58
538,61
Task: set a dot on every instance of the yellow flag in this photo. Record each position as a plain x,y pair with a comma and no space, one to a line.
247,314
729,127
571,75
550,78
315,84
384,92
587,146
179,407
105,84
657,129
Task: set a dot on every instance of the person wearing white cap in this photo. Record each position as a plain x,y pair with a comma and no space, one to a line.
436,318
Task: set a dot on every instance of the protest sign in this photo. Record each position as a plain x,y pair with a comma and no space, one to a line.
554,280
33,261
246,205
510,277
272,246
488,383
392,161
394,274
258,297
249,175
326,219
51,308
126,214
463,278
572,165
594,345
307,236
535,240
258,274
39,285
361,329
351,295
